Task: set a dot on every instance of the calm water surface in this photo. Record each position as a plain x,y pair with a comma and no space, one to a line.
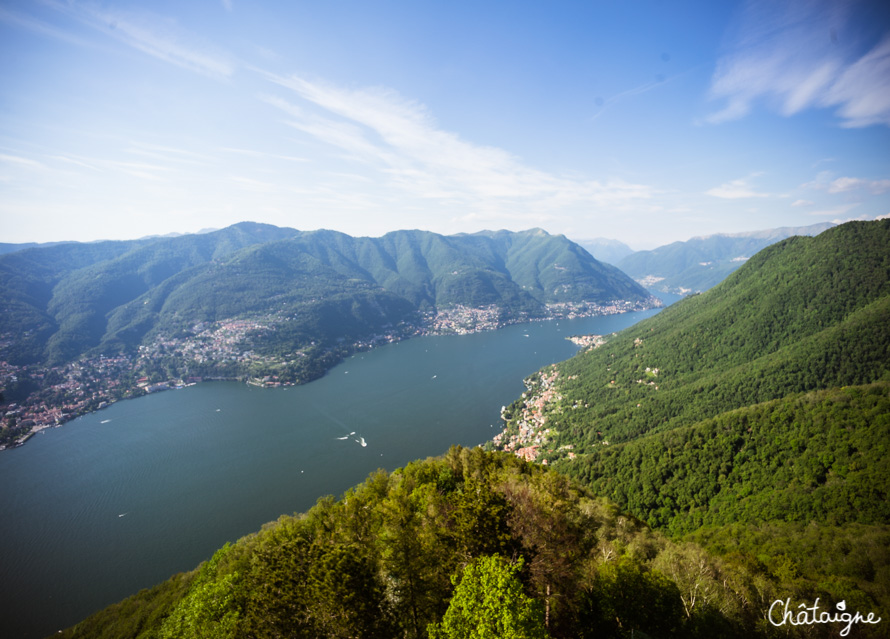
121,499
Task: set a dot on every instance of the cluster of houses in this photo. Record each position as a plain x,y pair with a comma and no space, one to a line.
462,320
528,431
587,341
216,342
63,392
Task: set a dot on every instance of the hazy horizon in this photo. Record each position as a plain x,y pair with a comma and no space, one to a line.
577,240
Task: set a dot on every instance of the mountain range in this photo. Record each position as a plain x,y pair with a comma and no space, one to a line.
63,301
702,262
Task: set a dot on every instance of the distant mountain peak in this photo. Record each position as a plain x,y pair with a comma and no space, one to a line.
780,232
701,262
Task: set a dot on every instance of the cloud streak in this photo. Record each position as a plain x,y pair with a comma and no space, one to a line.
735,190
826,182
158,37
844,184
801,55
19,161
400,139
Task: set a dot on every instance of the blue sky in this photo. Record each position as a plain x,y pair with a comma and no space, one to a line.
646,122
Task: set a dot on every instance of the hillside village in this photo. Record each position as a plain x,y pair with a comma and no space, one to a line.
526,432
527,429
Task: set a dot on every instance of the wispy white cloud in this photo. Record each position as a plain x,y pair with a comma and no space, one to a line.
844,184
21,162
799,55
604,104
820,183
400,139
826,181
865,217
156,36
735,190
76,162
36,25
834,211
802,203
168,154
262,154
141,170
862,91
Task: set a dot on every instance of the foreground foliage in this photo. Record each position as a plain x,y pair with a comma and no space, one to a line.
489,603
424,550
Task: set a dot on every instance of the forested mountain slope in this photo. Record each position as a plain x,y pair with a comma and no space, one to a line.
61,302
820,456
56,301
753,418
804,314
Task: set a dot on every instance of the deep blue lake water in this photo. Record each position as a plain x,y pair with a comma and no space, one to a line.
122,499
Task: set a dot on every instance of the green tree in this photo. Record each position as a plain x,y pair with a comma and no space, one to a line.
489,603
626,598
209,610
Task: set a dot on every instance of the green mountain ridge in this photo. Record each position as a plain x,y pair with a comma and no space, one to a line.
65,301
804,314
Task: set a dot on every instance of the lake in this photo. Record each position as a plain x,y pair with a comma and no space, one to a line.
121,499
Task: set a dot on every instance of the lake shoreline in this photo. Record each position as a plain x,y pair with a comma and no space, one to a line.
116,379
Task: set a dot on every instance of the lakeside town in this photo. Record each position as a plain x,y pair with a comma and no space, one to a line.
528,430
35,397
